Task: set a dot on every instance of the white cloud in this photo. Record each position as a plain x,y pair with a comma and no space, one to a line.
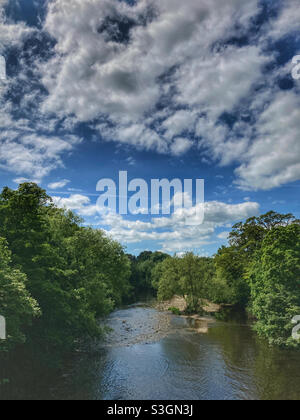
31,154
77,202
178,123
171,233
58,184
223,235
11,34
131,161
156,75
180,146
273,159
288,20
216,82
23,180
93,75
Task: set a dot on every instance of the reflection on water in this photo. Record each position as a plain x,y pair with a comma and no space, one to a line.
153,355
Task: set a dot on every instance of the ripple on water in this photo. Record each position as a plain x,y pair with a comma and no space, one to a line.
156,355
137,325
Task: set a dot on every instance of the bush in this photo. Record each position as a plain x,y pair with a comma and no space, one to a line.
175,311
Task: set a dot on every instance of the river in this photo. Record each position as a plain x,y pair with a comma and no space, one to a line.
156,355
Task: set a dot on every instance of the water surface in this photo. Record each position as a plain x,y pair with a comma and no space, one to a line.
155,355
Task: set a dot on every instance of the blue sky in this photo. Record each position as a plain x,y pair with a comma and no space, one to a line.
161,89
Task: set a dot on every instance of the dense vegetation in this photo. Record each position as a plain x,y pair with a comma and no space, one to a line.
143,279
259,271
188,276
57,278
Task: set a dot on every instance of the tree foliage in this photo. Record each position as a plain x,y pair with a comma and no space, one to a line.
143,275
275,284
259,270
188,276
17,306
74,274
57,277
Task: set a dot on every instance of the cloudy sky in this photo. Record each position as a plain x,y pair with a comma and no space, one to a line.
161,89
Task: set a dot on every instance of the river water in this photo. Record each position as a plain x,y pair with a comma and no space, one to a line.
155,355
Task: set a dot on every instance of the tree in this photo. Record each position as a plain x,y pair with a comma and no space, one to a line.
76,274
16,304
22,222
193,277
169,283
189,276
248,236
142,268
233,262
97,259
230,279
275,284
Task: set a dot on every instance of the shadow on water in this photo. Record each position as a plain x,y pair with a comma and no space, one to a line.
155,355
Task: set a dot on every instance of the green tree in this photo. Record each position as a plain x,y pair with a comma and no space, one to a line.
142,268
233,262
23,224
16,304
189,276
275,279
169,283
248,236
97,259
193,280
230,282
76,274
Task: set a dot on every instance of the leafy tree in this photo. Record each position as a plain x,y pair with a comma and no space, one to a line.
189,276
169,283
275,284
95,256
22,222
16,304
193,275
248,236
76,274
231,285
143,270
233,262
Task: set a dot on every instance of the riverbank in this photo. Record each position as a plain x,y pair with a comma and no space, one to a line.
197,323
179,303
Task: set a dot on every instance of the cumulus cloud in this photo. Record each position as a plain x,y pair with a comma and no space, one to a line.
77,202
115,62
58,184
11,34
32,154
287,21
118,62
29,145
23,180
180,146
274,157
163,75
172,233
223,235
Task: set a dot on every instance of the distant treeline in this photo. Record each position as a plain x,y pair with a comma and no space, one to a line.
58,278
259,271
